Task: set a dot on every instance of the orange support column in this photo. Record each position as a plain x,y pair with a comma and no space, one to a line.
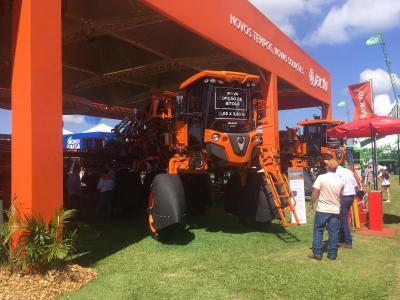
271,128
37,107
326,111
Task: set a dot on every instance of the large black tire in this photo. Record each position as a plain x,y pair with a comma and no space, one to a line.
166,202
252,202
198,192
148,180
256,203
232,194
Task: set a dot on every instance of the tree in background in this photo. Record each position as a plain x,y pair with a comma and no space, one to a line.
387,155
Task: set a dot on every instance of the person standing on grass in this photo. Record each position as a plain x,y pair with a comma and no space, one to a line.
327,191
366,175
106,188
349,192
385,185
370,176
74,188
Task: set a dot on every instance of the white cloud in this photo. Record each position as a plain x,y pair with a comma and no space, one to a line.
381,83
280,12
355,18
74,119
382,105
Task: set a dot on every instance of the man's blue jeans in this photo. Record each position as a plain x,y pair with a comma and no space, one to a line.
345,204
320,222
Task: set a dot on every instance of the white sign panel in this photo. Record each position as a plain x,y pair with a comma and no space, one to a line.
296,182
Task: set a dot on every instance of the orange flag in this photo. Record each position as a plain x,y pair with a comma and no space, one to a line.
361,93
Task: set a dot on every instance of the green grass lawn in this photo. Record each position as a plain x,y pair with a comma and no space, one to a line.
218,258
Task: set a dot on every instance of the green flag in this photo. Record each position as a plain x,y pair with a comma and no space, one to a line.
375,39
341,103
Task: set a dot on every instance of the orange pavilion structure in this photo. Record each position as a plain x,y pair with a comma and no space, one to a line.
61,56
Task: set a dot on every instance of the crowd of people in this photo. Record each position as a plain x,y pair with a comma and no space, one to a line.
103,191
384,177
334,193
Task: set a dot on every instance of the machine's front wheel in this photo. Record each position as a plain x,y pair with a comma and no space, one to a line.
152,227
166,204
198,192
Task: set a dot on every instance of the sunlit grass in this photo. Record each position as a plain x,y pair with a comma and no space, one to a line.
218,258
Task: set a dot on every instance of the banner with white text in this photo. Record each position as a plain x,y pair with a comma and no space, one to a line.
361,93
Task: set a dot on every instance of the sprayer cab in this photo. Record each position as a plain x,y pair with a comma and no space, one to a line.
220,110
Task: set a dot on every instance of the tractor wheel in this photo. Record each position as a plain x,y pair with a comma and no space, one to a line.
256,204
198,191
148,180
166,203
152,227
232,194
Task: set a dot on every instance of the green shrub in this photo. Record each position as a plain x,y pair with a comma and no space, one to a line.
39,246
7,229
4,245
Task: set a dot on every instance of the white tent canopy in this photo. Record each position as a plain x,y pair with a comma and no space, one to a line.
387,140
100,128
65,131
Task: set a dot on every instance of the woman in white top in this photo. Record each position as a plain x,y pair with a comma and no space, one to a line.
384,176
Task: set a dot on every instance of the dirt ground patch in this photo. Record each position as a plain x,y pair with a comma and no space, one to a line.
44,286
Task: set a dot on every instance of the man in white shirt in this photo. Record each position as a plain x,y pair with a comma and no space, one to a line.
349,192
327,189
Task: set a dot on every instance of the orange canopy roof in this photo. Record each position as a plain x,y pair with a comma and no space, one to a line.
320,121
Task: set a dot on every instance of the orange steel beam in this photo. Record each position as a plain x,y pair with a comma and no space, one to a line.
151,69
91,29
241,29
37,107
73,105
327,111
269,89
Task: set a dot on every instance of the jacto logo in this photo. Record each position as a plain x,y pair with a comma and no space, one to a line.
317,81
311,76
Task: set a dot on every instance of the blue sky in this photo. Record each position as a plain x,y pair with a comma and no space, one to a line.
332,32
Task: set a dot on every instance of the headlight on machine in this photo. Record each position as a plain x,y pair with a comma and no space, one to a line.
256,139
215,137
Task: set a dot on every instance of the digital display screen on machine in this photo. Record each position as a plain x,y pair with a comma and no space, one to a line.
230,103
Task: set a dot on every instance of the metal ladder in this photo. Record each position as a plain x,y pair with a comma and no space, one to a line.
279,185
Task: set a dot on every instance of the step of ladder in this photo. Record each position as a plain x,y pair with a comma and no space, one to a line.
274,178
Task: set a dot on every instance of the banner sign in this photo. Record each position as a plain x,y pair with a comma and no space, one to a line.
361,94
73,143
86,141
296,182
231,103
